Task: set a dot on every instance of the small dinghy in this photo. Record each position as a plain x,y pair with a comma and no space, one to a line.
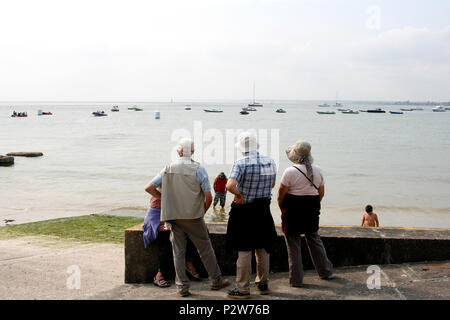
212,110
281,110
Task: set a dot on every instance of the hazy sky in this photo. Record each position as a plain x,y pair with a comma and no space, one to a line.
215,49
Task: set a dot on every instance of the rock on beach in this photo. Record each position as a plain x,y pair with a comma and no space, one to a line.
25,154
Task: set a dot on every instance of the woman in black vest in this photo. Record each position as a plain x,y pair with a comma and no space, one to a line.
299,196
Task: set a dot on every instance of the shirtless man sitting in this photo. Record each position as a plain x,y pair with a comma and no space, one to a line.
370,218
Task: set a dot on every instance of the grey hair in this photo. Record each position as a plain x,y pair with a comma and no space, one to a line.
307,160
185,147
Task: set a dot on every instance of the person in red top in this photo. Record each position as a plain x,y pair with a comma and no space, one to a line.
220,190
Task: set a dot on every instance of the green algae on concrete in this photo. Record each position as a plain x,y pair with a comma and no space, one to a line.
90,228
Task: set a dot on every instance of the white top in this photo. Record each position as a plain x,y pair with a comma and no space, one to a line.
298,184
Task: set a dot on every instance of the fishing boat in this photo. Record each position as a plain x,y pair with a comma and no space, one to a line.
438,109
244,112
350,112
212,110
324,105
115,109
326,112
396,112
377,110
99,114
281,110
254,103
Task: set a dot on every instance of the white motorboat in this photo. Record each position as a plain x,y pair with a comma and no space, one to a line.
324,105
348,111
281,110
187,107
212,110
438,109
249,109
115,109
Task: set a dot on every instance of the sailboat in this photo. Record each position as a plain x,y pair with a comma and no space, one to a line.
254,104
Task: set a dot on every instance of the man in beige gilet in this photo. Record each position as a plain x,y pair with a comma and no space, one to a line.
184,202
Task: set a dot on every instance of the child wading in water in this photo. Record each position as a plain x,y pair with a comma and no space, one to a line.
370,218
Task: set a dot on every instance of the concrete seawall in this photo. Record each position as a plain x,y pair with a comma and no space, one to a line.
346,246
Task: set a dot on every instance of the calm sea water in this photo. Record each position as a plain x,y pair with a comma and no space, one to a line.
398,163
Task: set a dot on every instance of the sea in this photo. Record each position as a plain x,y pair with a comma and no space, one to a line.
398,163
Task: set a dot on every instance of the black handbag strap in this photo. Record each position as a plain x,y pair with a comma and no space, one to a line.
307,178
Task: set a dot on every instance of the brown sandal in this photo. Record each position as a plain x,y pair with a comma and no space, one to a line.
161,282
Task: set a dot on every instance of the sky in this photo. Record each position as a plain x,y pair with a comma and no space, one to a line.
143,50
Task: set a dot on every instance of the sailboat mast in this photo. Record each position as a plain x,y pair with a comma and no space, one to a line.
253,91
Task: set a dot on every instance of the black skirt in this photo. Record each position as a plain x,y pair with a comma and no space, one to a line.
250,226
300,214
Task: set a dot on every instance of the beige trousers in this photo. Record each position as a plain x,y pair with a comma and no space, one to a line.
244,269
197,231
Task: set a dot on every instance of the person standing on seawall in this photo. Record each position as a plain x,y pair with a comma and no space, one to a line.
301,191
250,224
184,202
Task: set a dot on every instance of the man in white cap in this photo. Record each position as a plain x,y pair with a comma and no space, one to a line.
184,202
250,224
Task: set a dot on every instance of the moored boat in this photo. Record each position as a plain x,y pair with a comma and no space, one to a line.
115,109
326,112
19,115
244,112
280,110
212,110
377,110
324,105
99,113
438,109
348,111
396,112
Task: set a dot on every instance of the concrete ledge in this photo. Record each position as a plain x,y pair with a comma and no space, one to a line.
346,246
